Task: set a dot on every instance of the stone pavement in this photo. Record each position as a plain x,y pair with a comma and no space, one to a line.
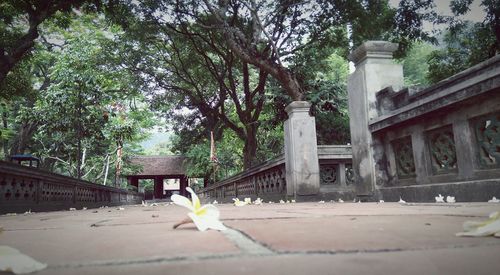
301,238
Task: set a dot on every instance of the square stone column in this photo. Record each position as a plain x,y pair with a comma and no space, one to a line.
375,70
301,151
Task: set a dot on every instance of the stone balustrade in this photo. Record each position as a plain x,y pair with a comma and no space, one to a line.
417,143
268,180
28,188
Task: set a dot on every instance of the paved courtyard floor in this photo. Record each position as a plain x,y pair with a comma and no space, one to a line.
300,238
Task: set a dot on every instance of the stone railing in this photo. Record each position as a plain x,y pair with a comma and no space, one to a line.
418,143
268,180
335,168
27,188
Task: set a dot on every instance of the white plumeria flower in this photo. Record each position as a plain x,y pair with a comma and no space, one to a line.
490,227
293,201
450,199
494,200
321,201
204,217
215,202
439,198
282,201
270,202
401,200
341,200
237,202
248,200
14,261
381,201
258,201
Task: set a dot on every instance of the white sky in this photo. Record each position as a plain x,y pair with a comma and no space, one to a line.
475,14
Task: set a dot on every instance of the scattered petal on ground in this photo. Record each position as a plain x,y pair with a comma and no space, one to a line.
237,202
401,200
14,261
490,227
450,199
439,198
494,200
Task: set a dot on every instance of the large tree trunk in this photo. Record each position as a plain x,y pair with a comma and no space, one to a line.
250,148
21,142
5,141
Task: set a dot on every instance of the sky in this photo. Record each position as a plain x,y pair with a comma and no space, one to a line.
475,14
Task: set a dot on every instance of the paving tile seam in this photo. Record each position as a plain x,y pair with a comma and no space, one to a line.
32,229
224,256
384,250
357,215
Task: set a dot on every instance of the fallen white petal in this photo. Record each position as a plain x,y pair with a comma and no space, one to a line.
13,260
494,200
206,222
439,198
182,201
195,200
490,227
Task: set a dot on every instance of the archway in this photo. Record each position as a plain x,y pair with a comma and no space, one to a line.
160,168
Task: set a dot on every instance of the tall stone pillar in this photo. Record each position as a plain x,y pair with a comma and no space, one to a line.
301,151
375,70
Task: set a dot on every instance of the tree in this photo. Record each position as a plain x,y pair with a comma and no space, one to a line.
77,83
184,66
415,64
18,15
464,46
492,19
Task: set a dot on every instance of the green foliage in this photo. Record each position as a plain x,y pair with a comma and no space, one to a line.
415,66
464,46
162,148
81,93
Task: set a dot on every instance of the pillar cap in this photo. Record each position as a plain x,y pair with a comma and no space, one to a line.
298,106
373,49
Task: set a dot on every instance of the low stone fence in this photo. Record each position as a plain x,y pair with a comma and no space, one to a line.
268,180
419,143
28,188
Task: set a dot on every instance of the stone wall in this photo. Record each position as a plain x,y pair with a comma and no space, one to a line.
28,188
444,139
268,180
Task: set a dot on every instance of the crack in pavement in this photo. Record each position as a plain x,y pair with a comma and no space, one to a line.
245,243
